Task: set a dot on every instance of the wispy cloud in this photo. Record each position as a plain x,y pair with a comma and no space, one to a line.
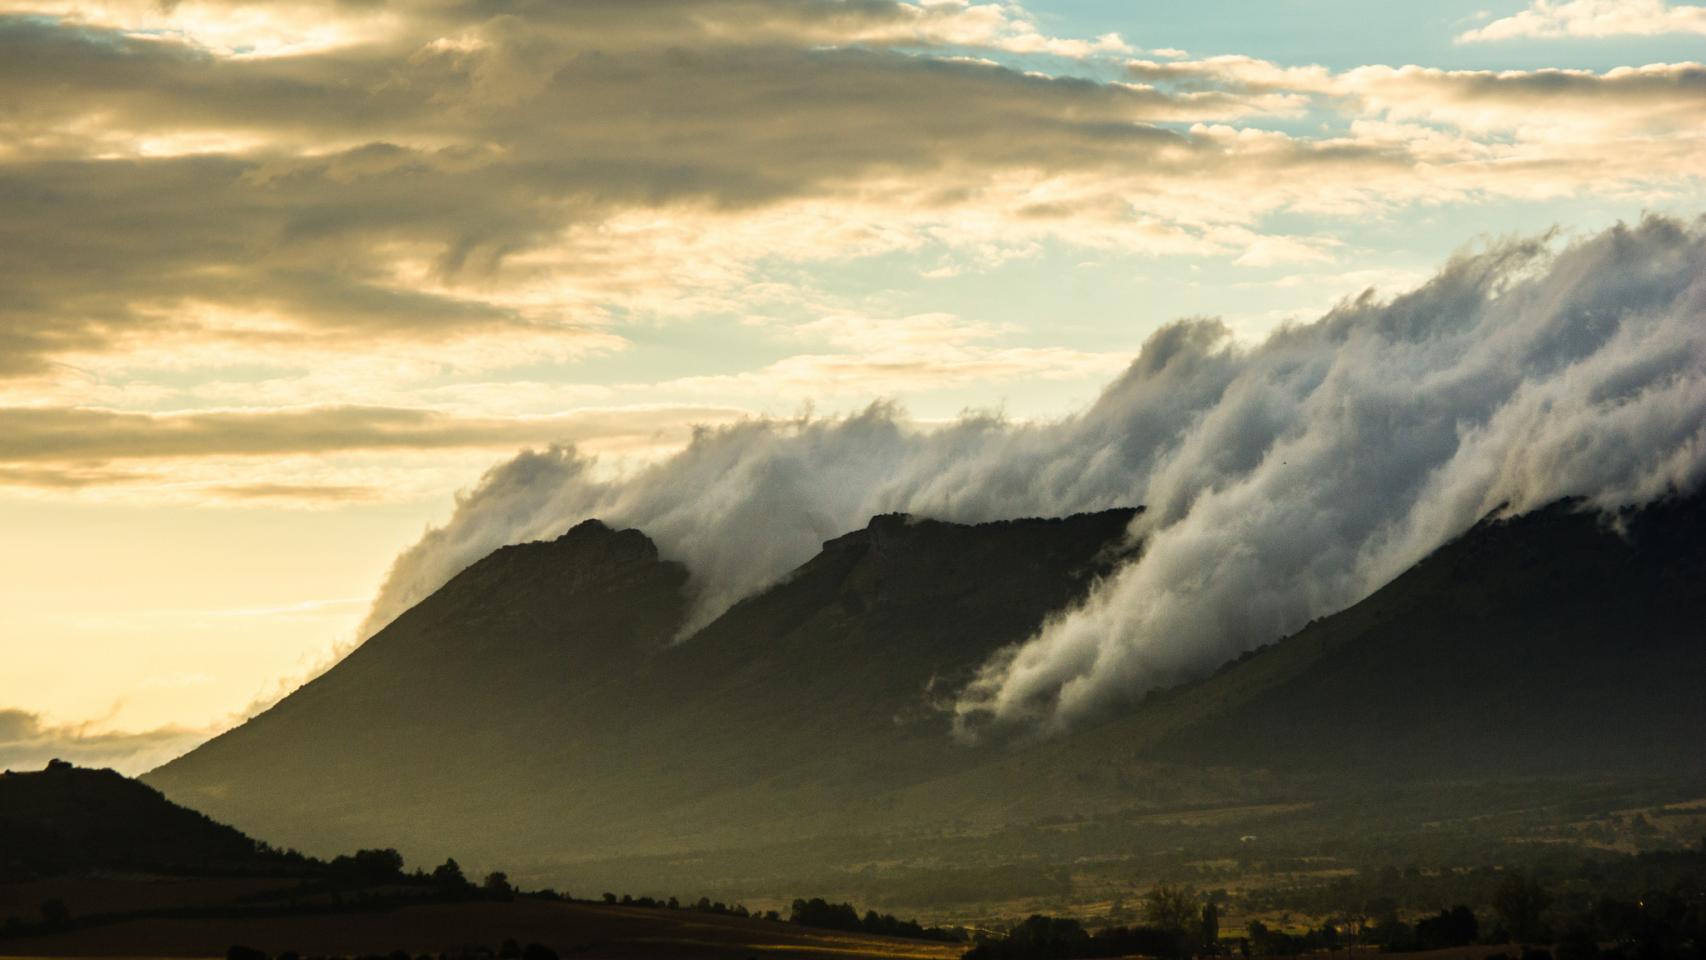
48,433
28,742
285,455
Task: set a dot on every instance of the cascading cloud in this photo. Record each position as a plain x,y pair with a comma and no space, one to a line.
1283,481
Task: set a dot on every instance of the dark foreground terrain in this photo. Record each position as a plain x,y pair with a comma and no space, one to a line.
95,864
569,929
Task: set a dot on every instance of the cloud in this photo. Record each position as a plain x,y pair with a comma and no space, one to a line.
304,179
1552,19
46,433
66,478
308,492
1283,481
471,189
1545,105
892,355
251,30
27,743
1552,104
324,455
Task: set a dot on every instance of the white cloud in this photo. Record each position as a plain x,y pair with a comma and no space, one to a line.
1553,19
1283,480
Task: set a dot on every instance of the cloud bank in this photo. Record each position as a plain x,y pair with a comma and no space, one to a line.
1284,480
210,179
450,210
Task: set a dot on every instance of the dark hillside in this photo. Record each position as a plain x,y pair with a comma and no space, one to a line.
817,694
66,819
421,730
1545,644
1549,645
536,701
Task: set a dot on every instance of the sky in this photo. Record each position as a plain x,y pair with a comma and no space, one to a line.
280,281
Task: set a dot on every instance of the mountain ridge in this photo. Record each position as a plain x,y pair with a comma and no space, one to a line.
802,723
577,677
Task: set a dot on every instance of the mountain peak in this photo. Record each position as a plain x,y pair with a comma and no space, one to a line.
590,527
591,555
538,698
880,527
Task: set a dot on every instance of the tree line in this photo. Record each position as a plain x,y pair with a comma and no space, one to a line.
1665,924
818,912
1176,924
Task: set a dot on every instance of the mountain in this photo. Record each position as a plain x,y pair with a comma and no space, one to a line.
65,819
434,718
1562,645
538,702
540,711
1558,642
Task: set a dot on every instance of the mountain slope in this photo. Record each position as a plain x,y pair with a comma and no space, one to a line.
535,713
416,732
1550,643
535,702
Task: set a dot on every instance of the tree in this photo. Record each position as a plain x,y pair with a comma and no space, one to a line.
1049,936
1521,902
369,868
497,885
1171,908
384,864
1456,927
448,875
818,912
